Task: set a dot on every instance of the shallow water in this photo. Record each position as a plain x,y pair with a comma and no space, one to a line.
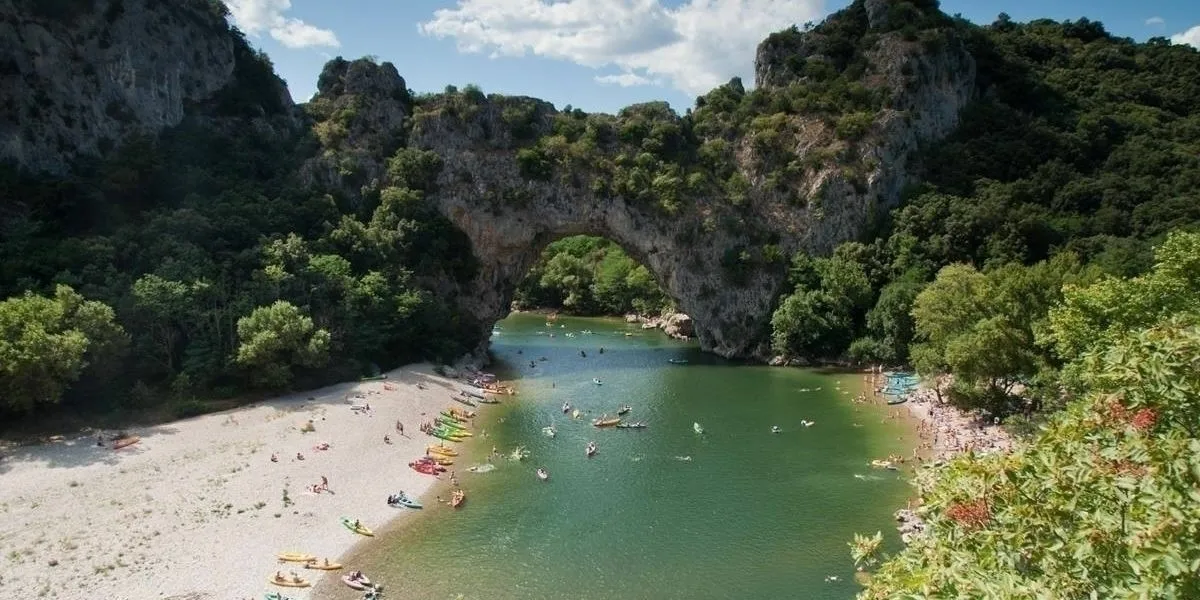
660,512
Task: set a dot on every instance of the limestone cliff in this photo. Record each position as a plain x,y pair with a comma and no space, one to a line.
709,255
713,202
78,77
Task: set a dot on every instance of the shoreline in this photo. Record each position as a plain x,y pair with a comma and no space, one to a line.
943,432
198,510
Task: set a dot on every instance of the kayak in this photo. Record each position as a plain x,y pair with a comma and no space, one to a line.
451,415
448,423
543,474
439,460
285,582
462,414
360,529
487,400
359,583
323,566
446,436
295,557
275,596
426,468
462,400
405,501
454,432
125,442
444,451
697,428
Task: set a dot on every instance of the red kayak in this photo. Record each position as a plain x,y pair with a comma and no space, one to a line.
424,467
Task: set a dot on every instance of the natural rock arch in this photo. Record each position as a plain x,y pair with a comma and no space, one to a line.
719,250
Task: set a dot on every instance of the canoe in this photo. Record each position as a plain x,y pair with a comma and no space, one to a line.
323,566
631,425
487,400
426,468
295,557
444,451
361,529
125,442
405,501
606,422
462,400
361,583
285,582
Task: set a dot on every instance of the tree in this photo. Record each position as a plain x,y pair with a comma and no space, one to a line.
1092,315
980,327
277,338
1101,505
47,343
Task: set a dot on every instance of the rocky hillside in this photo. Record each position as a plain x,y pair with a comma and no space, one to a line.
713,203
78,77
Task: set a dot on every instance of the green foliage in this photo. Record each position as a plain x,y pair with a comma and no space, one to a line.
275,339
981,327
1101,505
830,296
46,343
590,276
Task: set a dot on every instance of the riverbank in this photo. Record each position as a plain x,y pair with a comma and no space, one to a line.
198,509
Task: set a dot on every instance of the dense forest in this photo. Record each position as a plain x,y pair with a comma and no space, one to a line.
209,263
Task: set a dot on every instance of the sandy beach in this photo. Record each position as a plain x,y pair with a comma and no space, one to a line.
197,510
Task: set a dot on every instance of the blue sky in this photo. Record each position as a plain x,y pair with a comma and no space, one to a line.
599,55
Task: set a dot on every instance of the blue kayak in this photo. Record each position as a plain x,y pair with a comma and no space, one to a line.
402,499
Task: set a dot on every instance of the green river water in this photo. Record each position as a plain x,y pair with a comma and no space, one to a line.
751,515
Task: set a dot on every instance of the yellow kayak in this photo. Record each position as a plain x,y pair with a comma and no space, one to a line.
444,451
441,460
285,582
323,566
360,529
296,557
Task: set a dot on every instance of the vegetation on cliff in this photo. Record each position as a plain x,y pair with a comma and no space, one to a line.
211,268
1080,150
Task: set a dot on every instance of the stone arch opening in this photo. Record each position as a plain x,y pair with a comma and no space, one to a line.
591,276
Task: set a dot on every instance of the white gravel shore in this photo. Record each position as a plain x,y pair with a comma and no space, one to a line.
196,509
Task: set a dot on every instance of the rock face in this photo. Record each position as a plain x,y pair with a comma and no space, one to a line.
77,77
510,218
80,76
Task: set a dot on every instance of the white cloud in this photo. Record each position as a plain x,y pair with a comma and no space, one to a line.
1156,21
625,80
257,16
1190,37
694,47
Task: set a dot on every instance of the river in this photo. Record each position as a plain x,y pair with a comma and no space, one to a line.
661,512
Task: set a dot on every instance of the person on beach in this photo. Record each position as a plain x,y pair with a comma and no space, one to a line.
299,456
324,483
400,427
387,440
